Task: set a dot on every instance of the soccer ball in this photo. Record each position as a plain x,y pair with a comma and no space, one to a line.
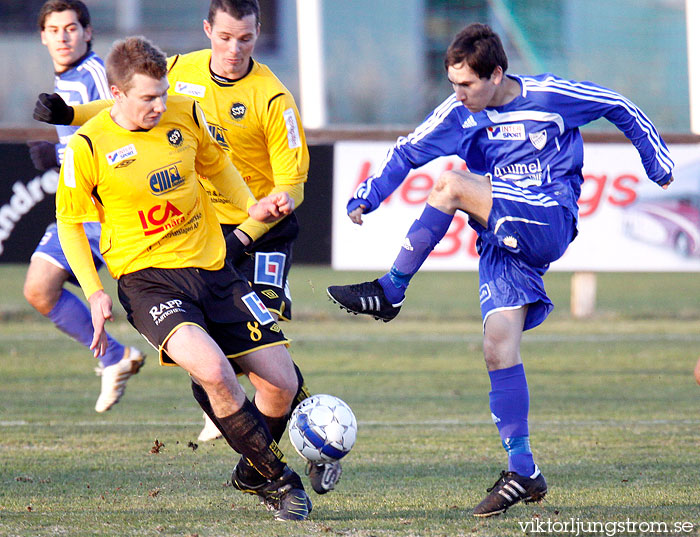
322,428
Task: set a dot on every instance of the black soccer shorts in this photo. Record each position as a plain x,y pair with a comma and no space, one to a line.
266,265
158,301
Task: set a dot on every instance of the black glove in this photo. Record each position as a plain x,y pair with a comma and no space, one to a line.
53,109
235,249
43,155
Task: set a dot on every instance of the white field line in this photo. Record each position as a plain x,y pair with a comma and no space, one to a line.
368,423
437,338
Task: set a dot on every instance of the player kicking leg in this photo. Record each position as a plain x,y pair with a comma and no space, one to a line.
519,235
44,289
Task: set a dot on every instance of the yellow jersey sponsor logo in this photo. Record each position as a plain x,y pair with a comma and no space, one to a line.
165,179
154,221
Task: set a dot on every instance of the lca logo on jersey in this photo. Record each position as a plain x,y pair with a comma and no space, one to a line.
269,268
159,218
165,179
123,153
218,133
538,139
189,89
257,308
238,111
513,131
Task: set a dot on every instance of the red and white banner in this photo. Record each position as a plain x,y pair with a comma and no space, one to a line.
626,222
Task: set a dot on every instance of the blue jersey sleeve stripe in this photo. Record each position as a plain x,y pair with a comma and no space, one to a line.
425,128
99,77
589,89
436,118
596,94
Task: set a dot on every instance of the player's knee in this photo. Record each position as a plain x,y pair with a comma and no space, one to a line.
38,298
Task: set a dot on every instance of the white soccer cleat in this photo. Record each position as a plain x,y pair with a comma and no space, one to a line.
114,378
210,431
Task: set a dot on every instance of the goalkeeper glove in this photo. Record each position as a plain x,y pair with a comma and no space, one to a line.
53,109
43,155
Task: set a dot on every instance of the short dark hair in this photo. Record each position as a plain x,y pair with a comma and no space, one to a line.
480,47
133,55
236,8
53,6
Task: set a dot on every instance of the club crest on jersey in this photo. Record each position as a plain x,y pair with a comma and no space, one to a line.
175,137
238,111
538,139
154,220
269,268
512,131
217,132
165,179
123,153
257,308
189,89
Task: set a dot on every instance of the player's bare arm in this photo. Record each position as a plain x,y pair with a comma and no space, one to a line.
101,310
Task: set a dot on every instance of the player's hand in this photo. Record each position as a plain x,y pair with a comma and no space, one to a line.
272,207
101,310
236,243
51,108
43,155
668,184
356,215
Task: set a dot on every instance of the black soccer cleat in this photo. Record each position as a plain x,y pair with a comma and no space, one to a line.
509,490
366,298
285,496
323,475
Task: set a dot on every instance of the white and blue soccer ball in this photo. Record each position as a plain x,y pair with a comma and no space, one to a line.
322,428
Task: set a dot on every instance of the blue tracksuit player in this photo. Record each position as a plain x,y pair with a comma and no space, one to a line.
519,136
79,78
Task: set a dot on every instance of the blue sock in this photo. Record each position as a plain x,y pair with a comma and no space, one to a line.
422,237
71,316
509,400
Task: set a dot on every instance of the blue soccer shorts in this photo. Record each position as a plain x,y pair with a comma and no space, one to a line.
528,228
49,248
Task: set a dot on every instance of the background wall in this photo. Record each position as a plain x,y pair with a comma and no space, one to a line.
384,59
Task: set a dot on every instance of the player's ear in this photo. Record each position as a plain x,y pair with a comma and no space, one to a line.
497,75
87,33
207,28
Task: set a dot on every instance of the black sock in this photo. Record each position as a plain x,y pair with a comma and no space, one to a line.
277,426
302,390
246,432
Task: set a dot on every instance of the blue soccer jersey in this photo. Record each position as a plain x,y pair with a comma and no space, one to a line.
84,82
533,140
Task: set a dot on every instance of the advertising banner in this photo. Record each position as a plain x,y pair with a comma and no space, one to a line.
626,222
27,203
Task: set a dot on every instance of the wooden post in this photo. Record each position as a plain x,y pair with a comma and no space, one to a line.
583,292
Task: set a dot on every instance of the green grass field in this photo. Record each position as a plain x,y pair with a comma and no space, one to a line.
614,419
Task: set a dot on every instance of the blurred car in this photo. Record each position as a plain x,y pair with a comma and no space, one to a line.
672,221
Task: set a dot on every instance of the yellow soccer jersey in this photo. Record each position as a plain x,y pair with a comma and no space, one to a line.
254,119
154,210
